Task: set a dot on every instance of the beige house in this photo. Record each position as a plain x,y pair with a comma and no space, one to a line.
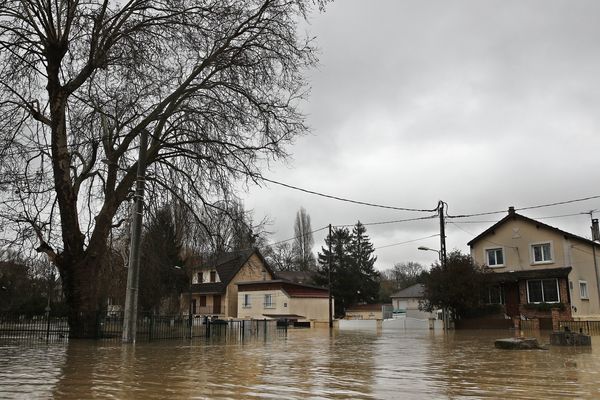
282,299
538,267
214,290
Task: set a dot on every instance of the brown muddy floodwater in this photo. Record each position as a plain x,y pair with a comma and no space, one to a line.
309,363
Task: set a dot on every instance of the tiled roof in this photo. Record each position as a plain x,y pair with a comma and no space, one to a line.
514,216
227,266
514,276
414,291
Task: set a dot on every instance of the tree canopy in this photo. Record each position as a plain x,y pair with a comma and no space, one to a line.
215,84
353,277
457,287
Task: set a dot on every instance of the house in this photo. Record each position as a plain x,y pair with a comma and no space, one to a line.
213,288
536,267
282,299
406,303
369,311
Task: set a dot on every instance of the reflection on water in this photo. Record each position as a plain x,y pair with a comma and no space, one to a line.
305,364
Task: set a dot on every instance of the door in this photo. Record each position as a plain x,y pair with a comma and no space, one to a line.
216,304
511,293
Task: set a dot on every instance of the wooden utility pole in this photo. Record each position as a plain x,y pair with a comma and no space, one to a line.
329,281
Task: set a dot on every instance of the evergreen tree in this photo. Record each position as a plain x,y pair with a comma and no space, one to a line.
353,275
343,285
361,251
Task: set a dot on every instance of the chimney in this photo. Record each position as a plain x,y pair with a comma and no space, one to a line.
511,210
595,230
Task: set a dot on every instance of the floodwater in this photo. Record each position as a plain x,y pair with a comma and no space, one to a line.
307,363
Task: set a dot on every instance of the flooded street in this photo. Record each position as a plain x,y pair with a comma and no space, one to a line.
307,363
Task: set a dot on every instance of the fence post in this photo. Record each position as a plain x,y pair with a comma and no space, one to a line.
151,327
47,323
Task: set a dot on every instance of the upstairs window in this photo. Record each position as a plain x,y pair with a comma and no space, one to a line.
541,252
583,290
543,291
213,276
246,303
269,301
495,257
200,277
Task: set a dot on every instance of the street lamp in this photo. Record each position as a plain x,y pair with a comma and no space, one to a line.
444,310
430,249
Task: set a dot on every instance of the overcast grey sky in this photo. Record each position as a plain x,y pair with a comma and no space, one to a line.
482,104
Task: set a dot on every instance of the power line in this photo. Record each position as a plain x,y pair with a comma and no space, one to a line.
390,222
408,241
526,208
347,200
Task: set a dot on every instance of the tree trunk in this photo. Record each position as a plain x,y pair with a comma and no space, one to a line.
80,287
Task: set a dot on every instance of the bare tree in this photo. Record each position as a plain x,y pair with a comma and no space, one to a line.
303,242
280,256
215,83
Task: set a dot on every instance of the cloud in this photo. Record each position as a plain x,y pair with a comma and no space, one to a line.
481,104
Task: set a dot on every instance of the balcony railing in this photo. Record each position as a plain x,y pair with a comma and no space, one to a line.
269,305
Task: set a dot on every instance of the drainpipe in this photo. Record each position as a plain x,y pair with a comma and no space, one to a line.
595,238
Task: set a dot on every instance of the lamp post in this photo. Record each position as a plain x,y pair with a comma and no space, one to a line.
443,263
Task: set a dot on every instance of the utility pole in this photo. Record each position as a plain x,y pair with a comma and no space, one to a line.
133,273
329,282
442,234
443,258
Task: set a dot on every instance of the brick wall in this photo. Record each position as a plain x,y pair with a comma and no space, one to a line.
564,298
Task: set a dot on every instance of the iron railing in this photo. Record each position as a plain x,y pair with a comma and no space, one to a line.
150,327
587,327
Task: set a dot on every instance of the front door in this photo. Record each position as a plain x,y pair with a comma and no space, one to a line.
216,304
511,293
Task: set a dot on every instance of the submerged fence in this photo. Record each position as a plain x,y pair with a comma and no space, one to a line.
588,327
150,327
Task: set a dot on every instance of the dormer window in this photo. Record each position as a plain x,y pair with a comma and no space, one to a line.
200,277
213,276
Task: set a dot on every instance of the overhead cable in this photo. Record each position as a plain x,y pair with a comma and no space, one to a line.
363,203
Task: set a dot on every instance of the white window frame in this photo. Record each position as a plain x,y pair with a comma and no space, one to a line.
246,303
271,303
583,294
487,259
543,297
532,253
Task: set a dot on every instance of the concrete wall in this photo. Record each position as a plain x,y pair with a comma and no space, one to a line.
256,309
312,308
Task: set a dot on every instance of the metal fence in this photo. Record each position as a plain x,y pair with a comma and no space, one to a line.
587,327
150,327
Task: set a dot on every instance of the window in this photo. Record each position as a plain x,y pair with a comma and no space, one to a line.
246,302
194,306
541,253
583,290
543,291
269,301
495,257
493,295
200,277
202,301
213,276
